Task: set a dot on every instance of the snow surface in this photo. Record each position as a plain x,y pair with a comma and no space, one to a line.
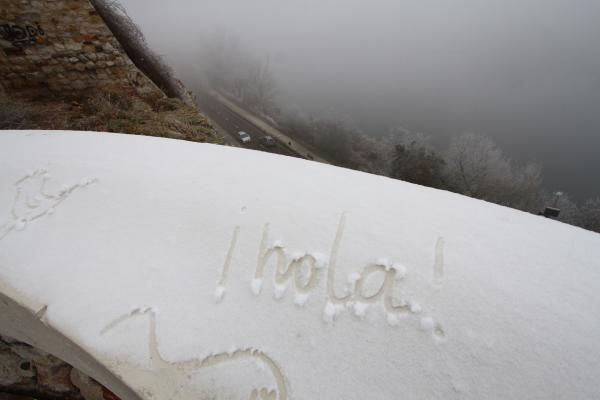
138,248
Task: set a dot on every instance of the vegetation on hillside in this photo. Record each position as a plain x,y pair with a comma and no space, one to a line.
110,111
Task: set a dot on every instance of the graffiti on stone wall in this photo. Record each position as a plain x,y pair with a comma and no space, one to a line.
21,36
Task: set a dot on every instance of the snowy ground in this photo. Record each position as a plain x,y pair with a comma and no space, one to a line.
200,271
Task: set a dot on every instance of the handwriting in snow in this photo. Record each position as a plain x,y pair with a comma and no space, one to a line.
305,273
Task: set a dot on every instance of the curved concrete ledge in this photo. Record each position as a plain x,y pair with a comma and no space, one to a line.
177,270
19,320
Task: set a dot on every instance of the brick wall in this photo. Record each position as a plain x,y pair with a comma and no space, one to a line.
61,47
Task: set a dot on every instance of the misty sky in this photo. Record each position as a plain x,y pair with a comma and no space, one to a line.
526,73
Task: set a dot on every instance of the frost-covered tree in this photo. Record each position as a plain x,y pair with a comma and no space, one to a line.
569,211
414,160
587,215
524,188
475,166
371,154
590,214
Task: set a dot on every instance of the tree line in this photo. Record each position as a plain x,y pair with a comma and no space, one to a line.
471,164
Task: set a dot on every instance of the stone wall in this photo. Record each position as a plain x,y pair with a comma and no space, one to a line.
27,373
61,47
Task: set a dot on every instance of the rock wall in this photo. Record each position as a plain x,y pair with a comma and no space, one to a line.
61,46
27,373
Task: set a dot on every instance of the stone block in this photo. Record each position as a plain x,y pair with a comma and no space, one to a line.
78,51
108,48
73,46
78,85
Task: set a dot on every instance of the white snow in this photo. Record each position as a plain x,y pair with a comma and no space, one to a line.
297,256
395,319
256,286
320,260
427,324
352,279
219,293
21,224
360,309
300,299
384,262
330,312
501,304
400,269
279,291
415,307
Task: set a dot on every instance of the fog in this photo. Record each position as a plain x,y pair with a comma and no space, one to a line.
524,72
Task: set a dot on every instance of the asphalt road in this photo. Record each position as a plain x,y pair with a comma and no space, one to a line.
231,123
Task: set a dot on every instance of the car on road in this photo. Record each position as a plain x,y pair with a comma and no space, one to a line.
267,141
244,137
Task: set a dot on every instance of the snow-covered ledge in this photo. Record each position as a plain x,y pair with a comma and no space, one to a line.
176,270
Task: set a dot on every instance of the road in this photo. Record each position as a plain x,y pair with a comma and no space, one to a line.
230,123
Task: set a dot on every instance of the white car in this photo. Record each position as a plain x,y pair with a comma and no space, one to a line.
244,137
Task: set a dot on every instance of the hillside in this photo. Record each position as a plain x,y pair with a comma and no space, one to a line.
110,111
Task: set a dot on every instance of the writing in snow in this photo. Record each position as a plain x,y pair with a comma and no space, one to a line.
305,272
